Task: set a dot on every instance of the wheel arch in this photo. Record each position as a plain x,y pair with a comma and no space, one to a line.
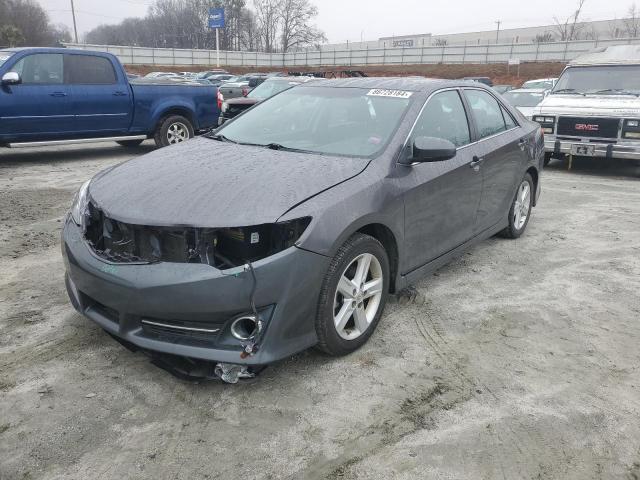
535,176
385,236
175,110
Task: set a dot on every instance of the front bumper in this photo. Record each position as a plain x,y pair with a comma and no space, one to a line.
118,297
630,151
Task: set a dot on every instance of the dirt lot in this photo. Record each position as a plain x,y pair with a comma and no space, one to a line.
519,360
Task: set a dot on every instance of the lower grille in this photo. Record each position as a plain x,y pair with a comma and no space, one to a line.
589,127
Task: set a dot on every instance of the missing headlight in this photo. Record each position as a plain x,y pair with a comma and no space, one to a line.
222,248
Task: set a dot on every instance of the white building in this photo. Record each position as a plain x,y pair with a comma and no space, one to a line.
602,29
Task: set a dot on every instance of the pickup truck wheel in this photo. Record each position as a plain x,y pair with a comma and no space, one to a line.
547,158
353,295
173,129
130,143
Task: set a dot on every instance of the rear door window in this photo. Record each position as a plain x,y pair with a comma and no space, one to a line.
508,119
89,70
444,117
487,113
40,69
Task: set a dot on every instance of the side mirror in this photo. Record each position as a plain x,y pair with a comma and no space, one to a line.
11,78
431,149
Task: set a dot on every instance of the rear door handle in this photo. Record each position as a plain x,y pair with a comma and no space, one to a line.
119,94
58,94
475,163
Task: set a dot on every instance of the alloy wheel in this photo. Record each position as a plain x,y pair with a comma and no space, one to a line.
358,296
522,205
177,132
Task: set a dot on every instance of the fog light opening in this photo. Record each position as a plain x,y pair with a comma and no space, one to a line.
245,328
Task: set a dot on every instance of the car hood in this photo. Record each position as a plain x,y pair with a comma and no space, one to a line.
206,183
608,105
527,111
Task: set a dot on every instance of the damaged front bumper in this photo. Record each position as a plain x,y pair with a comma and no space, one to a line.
187,309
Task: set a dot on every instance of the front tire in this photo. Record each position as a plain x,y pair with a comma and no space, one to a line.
547,158
520,211
353,295
173,129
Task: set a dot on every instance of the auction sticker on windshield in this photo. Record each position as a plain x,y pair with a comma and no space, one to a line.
376,92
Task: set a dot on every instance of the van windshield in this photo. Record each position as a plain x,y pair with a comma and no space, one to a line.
602,79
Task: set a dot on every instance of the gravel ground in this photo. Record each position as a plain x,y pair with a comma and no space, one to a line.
518,360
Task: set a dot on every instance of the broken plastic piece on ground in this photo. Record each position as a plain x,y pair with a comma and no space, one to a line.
231,373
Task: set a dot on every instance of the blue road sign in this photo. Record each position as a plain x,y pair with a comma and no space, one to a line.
216,18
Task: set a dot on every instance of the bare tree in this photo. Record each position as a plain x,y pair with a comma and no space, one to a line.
268,21
615,29
632,22
570,28
24,22
297,31
545,37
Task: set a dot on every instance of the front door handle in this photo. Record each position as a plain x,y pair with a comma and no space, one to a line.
58,94
476,162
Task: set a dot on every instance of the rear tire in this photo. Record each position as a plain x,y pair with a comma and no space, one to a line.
521,207
173,129
130,143
353,295
547,158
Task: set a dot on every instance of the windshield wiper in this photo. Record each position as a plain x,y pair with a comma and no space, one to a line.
617,91
278,146
568,90
219,137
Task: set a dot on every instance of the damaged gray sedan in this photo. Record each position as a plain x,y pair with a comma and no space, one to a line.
288,227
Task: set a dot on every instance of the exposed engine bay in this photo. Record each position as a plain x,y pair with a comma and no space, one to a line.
222,248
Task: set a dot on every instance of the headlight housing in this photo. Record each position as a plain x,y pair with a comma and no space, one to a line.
631,129
547,123
79,206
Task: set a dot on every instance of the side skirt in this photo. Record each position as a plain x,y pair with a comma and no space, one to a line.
412,277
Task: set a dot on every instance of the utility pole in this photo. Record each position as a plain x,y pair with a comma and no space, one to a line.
498,22
75,28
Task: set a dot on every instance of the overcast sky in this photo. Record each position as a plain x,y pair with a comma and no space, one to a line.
352,19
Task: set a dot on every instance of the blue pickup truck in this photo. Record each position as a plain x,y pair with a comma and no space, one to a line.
58,95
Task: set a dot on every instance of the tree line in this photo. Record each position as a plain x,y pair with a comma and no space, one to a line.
263,25
25,23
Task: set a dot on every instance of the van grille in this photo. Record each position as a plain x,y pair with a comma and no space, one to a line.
589,127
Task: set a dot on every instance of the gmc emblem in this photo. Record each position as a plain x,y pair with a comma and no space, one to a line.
586,127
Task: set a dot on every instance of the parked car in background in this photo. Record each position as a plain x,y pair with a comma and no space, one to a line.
60,95
541,83
270,87
484,80
160,75
288,227
242,85
594,109
216,76
525,100
501,89
215,71
132,76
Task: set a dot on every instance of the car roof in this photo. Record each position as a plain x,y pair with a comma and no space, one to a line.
413,84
